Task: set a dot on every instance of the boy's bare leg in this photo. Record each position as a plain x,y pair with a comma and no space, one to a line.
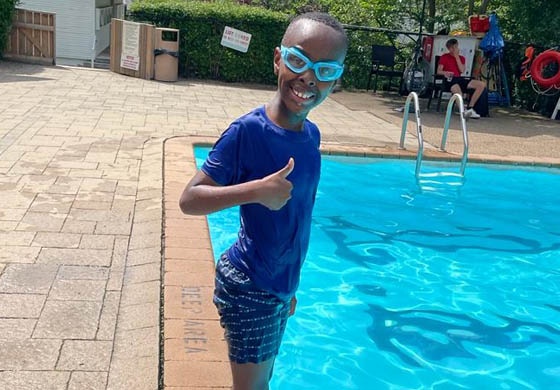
478,87
251,376
455,88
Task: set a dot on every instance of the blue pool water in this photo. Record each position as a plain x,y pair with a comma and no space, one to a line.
452,288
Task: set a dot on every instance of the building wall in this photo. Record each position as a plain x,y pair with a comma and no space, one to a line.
103,3
103,38
103,33
74,25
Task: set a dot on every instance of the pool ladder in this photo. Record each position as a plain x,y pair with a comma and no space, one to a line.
428,177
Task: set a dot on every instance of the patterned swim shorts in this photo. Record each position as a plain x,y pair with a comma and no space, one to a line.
254,320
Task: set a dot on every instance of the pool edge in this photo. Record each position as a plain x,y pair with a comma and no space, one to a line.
195,354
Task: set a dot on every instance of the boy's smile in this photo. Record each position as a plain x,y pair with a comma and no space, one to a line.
298,93
301,94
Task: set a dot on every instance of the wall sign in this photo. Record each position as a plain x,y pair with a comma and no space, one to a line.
130,58
236,39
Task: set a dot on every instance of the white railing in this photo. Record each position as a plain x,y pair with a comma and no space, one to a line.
457,98
413,96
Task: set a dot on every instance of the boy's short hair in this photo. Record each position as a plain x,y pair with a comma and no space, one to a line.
320,17
451,42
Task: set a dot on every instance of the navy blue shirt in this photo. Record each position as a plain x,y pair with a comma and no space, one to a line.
271,245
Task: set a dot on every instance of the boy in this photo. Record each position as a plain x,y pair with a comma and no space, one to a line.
268,162
451,65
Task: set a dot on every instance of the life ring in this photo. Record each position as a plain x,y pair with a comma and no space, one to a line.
545,59
526,64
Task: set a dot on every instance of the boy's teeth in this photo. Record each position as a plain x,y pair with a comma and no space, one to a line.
305,95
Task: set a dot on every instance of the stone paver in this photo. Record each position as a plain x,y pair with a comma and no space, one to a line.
21,305
41,222
81,157
78,290
84,380
34,380
19,254
67,256
145,313
85,355
28,354
138,293
57,240
91,241
70,272
137,373
68,320
108,319
27,278
16,328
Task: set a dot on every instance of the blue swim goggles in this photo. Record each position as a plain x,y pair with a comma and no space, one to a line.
297,62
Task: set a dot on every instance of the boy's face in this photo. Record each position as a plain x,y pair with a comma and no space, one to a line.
301,92
454,49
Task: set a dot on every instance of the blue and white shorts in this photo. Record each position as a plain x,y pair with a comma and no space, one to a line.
254,320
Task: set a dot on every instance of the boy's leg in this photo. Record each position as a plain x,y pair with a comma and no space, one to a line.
250,376
478,87
244,312
456,88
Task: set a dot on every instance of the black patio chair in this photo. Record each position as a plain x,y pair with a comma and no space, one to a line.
383,56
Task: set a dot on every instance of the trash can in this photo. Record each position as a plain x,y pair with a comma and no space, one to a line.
166,54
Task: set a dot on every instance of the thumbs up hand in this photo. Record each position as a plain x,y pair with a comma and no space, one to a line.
275,190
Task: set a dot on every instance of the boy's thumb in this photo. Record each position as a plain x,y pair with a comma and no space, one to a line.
284,172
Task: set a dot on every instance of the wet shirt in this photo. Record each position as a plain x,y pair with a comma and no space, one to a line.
271,245
450,64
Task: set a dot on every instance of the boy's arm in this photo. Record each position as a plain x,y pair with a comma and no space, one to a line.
460,63
204,196
442,72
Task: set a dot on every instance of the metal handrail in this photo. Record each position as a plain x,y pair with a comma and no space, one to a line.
459,98
411,96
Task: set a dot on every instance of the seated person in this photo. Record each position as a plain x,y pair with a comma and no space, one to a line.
451,65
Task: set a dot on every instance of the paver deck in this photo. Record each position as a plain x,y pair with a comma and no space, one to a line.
82,233
81,154
509,133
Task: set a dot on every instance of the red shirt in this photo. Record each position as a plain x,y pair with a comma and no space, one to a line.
450,64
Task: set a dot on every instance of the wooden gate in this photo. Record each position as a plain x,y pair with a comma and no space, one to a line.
32,38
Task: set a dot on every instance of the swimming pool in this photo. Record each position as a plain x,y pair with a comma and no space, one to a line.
453,288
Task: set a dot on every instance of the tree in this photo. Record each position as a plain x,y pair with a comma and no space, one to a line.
431,15
484,6
7,11
481,10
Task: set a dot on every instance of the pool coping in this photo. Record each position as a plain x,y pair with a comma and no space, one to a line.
194,353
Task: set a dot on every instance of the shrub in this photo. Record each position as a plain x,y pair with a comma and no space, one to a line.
7,10
201,27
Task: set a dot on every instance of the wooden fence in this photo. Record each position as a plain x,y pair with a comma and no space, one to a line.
146,46
32,38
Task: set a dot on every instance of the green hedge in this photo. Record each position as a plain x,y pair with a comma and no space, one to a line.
7,10
201,27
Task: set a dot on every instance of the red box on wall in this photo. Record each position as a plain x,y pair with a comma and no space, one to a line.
428,48
479,24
